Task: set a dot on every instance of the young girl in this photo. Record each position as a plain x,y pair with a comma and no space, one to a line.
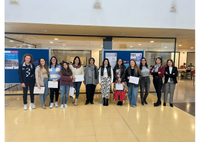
65,82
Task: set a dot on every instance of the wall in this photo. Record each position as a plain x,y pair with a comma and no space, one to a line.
183,57
119,13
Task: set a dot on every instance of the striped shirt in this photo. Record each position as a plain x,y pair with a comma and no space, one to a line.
54,73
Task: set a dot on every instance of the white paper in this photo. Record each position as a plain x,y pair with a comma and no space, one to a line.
38,91
134,80
52,84
71,91
79,78
119,86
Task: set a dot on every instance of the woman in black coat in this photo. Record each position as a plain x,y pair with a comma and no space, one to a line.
171,73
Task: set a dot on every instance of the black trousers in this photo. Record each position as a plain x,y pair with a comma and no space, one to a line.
90,89
144,85
56,91
157,82
29,83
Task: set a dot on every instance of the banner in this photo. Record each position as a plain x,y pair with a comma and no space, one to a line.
11,60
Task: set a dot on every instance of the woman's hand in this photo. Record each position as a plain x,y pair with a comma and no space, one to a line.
74,77
55,80
39,86
100,84
23,85
173,73
110,83
159,72
166,73
128,77
71,77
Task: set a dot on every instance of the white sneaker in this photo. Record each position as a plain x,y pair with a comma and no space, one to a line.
51,105
75,103
66,106
56,104
25,107
33,106
61,106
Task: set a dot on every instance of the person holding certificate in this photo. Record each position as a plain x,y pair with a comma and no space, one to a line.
145,81
133,77
158,73
105,80
54,72
65,83
90,80
26,74
78,77
119,72
41,76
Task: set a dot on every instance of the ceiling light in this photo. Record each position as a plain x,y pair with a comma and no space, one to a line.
131,46
192,47
165,47
179,45
152,41
123,33
139,44
44,30
11,41
51,42
55,38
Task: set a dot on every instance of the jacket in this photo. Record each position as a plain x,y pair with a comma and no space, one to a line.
108,70
128,74
174,70
95,75
122,74
22,72
39,76
66,79
160,69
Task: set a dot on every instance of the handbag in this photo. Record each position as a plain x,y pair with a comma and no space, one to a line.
119,95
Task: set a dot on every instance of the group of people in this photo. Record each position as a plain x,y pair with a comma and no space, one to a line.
65,74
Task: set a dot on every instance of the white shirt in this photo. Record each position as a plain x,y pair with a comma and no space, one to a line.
105,74
170,71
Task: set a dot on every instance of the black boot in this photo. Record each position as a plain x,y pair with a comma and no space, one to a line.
142,102
157,104
121,103
104,101
164,104
171,105
145,102
118,103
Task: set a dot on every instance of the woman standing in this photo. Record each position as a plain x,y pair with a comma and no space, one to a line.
90,80
134,71
171,73
41,75
77,69
145,81
26,74
105,80
120,77
65,82
54,71
158,72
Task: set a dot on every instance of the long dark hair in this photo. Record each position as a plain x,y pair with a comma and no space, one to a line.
104,61
66,72
45,65
79,60
136,68
168,61
116,65
51,62
160,60
23,59
141,63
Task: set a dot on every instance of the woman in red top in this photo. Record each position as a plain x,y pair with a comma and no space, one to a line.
158,73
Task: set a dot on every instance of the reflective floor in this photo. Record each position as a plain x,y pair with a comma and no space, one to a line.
96,123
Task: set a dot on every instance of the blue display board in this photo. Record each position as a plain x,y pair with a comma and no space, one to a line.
125,55
11,75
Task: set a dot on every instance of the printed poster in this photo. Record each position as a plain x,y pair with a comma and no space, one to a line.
11,60
137,57
112,57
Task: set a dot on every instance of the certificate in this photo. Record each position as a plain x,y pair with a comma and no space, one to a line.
134,80
38,91
52,84
79,78
119,86
71,91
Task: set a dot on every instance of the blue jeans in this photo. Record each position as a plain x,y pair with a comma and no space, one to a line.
44,96
64,91
77,86
133,94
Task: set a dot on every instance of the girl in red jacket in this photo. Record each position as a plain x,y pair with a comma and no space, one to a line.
158,73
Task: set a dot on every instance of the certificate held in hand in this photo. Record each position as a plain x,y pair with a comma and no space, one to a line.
134,80
38,91
119,86
52,84
79,78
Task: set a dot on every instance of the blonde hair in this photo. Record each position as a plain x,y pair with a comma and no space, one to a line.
136,68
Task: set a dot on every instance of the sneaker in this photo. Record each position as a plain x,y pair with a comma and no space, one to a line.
51,105
33,106
43,107
61,106
72,99
66,106
56,104
25,107
75,103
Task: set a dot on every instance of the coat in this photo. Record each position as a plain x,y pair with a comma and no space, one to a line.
174,70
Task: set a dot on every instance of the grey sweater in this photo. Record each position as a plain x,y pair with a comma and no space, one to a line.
145,71
90,80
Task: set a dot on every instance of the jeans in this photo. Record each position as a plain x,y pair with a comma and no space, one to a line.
158,87
29,83
144,85
64,91
90,89
56,90
44,96
77,86
169,88
133,94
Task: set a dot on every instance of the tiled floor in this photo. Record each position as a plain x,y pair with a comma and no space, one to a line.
188,107
96,123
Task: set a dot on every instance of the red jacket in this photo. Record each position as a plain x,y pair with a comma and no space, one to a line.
160,69
66,80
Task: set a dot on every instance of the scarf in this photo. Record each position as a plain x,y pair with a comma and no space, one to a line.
155,69
90,70
76,66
